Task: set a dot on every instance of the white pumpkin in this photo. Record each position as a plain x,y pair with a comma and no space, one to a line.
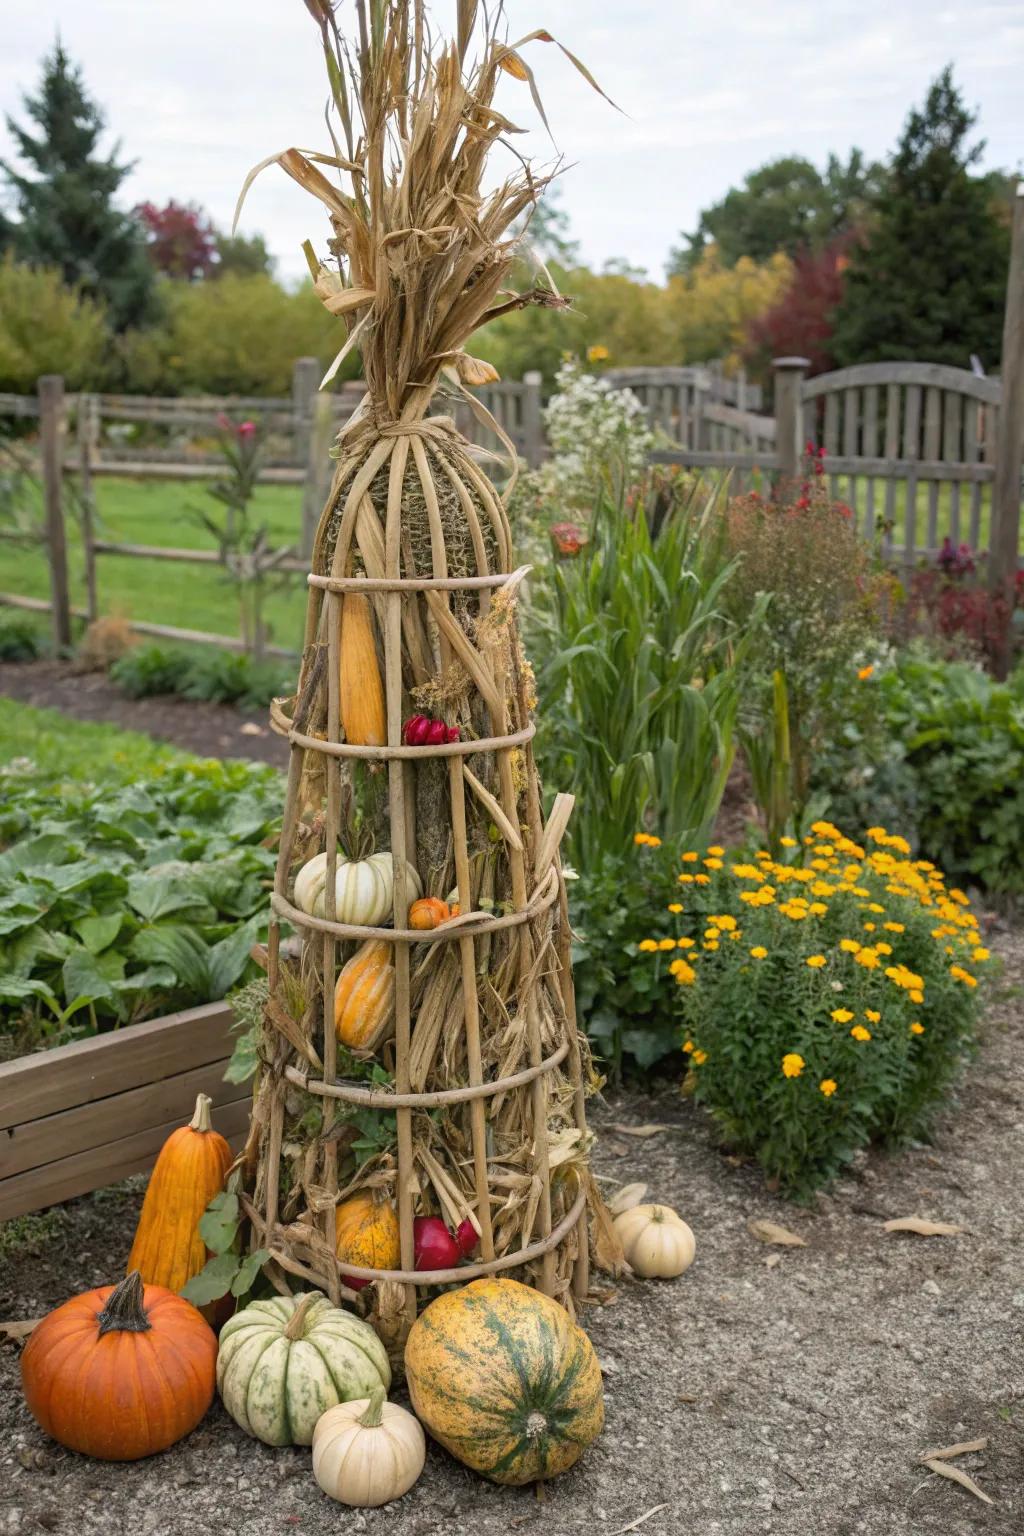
282,1363
656,1242
364,889
365,1454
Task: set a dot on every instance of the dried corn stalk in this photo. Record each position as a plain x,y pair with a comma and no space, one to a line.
477,1106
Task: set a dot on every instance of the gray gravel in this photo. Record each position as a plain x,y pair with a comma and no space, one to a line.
768,1390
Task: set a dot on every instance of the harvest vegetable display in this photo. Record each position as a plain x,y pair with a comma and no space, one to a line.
121,1372
367,1235
364,997
656,1241
363,888
504,1379
189,1171
284,1362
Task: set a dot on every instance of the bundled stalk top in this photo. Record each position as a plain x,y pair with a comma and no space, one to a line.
420,248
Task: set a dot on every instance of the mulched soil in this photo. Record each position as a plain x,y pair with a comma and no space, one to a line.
779,1390
208,730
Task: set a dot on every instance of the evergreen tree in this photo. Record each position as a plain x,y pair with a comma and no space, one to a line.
63,201
929,283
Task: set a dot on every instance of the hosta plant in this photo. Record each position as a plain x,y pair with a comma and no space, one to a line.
824,999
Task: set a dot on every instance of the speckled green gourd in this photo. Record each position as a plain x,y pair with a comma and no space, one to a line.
282,1363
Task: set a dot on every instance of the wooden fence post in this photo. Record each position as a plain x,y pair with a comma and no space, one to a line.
1004,538
789,376
305,387
51,443
88,438
533,429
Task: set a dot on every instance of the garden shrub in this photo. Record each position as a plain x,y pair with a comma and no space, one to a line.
220,677
20,638
943,743
122,900
825,999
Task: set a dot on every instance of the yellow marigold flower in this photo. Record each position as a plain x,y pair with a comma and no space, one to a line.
816,962
648,946
827,1086
598,353
763,855
737,933
716,851
842,1015
711,932
645,840
860,1033
981,954
685,975
699,1058
894,927
687,1046
666,944
797,914
863,673
916,1028
685,943
882,948
818,908
868,958
869,927
826,829
702,879
959,974
822,888
821,865
675,906
759,952
877,834
712,863
917,996
792,1064
726,922
849,946
685,879
900,844
690,858
958,896
870,1013
789,842
710,944
747,872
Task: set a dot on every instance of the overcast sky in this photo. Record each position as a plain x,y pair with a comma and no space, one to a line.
199,90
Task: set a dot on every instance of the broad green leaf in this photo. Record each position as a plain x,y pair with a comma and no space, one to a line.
248,1269
213,1280
178,947
218,1225
83,977
228,959
96,933
244,1059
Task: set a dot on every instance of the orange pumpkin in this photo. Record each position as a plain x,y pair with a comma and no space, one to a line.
189,1171
429,912
121,1372
367,1234
364,997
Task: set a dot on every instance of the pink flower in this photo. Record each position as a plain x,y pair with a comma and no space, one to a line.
247,429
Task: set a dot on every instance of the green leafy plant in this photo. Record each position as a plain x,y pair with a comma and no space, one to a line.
20,638
825,1000
122,901
220,677
228,1269
941,743
640,674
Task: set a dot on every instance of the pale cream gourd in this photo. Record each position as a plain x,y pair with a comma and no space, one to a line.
283,1362
364,889
367,1453
657,1243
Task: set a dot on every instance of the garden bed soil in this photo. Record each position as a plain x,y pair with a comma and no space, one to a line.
207,730
779,1390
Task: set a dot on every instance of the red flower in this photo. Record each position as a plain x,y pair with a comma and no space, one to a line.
247,429
568,538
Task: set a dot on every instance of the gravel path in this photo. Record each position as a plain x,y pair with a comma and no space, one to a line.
783,1390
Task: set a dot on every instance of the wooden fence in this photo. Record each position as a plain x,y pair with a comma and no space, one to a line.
84,1115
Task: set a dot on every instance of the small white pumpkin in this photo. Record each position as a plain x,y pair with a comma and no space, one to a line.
365,1454
282,1363
364,889
656,1242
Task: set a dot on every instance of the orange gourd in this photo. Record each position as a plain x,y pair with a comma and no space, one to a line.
429,912
366,1231
188,1173
121,1372
364,997
362,693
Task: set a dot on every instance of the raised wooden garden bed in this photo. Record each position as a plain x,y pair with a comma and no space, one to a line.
84,1115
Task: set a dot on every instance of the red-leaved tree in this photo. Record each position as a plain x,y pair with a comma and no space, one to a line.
180,239
800,324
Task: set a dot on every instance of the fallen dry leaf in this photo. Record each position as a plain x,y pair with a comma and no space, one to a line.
643,1131
639,1520
625,1198
946,1469
19,1330
962,1448
771,1261
768,1232
922,1228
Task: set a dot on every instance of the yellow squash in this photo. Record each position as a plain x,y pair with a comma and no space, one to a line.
505,1380
366,1233
362,693
364,997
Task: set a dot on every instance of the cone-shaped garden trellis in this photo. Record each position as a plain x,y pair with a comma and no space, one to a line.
472,1108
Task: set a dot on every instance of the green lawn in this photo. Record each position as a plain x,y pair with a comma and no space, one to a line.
189,596
61,749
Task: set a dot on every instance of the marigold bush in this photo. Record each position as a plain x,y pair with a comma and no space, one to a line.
826,999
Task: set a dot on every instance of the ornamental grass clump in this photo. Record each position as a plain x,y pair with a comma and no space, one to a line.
826,998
